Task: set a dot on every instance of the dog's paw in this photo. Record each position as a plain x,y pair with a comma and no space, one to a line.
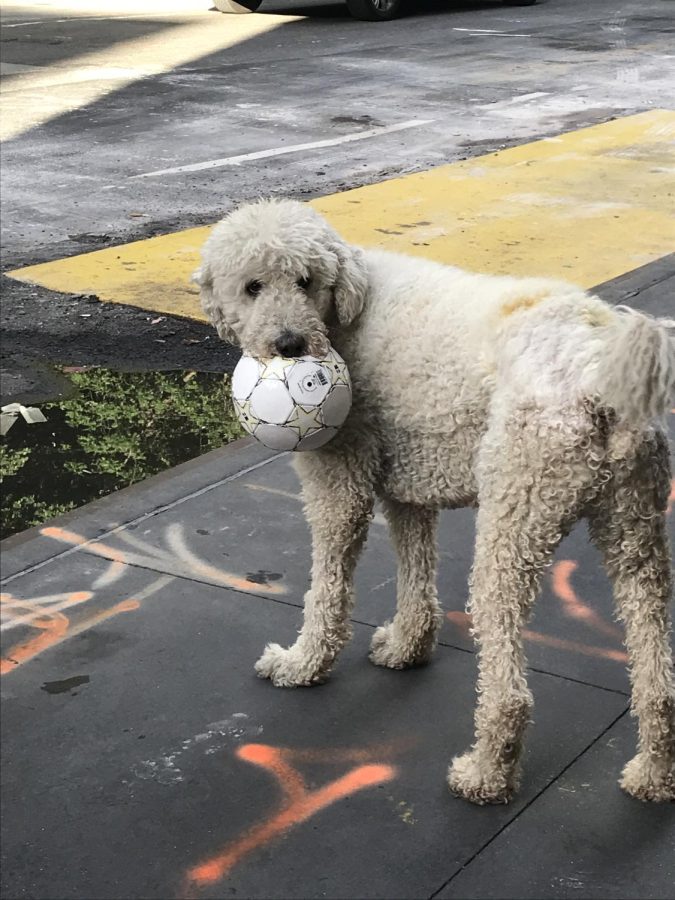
650,780
288,667
388,648
470,778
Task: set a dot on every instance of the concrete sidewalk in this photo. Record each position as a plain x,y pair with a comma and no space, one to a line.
143,758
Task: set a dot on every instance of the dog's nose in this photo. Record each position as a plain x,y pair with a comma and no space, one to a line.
290,345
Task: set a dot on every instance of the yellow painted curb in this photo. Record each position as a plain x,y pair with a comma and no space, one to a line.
587,206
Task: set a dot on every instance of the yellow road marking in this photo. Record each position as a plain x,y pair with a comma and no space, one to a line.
587,206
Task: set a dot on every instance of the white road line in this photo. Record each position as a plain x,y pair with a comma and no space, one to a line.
483,30
21,24
479,32
496,34
281,151
523,98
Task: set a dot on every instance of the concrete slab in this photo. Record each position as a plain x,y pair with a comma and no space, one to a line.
174,772
579,839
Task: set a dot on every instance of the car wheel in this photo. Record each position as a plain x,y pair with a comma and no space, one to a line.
375,10
231,6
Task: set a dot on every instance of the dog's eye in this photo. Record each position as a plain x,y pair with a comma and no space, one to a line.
304,283
253,288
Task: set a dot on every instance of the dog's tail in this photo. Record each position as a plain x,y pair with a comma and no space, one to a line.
636,374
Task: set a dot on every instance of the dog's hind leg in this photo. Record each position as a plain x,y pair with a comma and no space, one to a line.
629,527
536,470
411,638
338,495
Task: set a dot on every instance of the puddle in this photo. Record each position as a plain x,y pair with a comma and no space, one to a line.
66,684
115,429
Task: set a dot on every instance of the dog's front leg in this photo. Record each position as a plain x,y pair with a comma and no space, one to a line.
338,505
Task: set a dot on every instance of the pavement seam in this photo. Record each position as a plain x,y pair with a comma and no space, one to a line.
590,684
214,584
142,518
538,671
528,804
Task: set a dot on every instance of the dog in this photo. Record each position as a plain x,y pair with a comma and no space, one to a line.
527,397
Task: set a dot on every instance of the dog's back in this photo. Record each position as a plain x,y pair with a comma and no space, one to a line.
436,338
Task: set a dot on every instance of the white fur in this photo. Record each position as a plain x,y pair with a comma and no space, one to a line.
528,397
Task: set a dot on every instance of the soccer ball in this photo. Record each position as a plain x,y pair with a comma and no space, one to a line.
292,404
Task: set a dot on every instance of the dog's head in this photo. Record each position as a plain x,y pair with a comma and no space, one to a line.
275,275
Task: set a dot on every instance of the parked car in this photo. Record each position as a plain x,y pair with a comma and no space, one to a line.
369,10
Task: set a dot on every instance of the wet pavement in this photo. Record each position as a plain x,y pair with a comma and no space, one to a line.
143,758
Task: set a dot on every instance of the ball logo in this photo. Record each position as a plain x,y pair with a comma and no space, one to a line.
308,382
311,382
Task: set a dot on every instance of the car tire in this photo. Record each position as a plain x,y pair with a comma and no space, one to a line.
232,6
375,10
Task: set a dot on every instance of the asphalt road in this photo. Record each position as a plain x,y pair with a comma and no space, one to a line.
101,99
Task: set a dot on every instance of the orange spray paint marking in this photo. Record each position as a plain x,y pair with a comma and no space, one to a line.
55,628
463,621
46,615
206,570
574,607
70,537
575,647
176,542
298,804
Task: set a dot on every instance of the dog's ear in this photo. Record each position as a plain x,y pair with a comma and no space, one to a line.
209,304
351,282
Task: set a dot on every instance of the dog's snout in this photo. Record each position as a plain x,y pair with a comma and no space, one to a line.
290,345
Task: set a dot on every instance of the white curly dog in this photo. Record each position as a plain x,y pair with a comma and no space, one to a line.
526,397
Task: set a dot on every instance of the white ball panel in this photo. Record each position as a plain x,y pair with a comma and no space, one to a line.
317,439
276,437
271,402
337,405
245,377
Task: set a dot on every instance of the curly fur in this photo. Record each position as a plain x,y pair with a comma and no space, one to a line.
529,398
